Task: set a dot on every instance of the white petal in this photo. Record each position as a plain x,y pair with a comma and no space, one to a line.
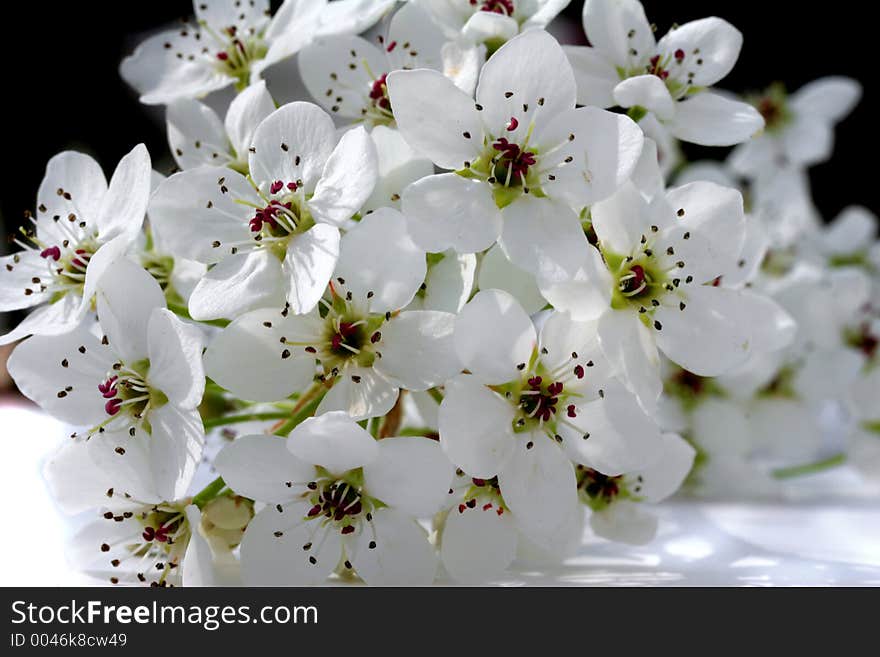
710,119
352,16
399,165
245,113
308,266
412,25
177,438
665,476
53,319
613,435
411,474
631,349
497,272
493,336
476,545
476,427
532,68
81,177
462,63
486,26
620,221
348,179
189,213
585,292
334,441
625,522
711,47
543,236
647,91
247,359
189,123
449,211
126,297
339,71
125,203
434,130
829,98
261,467
402,555
595,75
609,24
711,335
17,272
539,486
272,551
417,349
293,143
238,284
378,256
175,351
449,283
361,392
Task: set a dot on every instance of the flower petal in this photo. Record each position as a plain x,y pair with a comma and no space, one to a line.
647,91
711,47
477,546
665,476
417,349
399,165
499,273
124,205
631,349
616,28
361,392
238,284
401,556
348,179
196,135
595,75
476,427
175,352
334,441
177,438
625,522
247,110
494,337
710,119
308,266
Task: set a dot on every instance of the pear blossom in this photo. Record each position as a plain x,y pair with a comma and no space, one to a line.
347,74
336,497
529,407
366,348
398,166
660,283
137,537
799,127
618,503
490,22
197,137
272,238
521,156
669,78
80,227
233,42
449,282
134,381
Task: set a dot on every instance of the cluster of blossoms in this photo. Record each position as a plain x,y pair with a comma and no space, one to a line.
438,315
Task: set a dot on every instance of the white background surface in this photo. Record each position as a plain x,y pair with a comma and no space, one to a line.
698,544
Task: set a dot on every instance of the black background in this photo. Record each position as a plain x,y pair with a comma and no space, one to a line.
61,87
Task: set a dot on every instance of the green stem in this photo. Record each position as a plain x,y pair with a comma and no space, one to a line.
305,412
209,492
636,113
810,468
436,395
210,423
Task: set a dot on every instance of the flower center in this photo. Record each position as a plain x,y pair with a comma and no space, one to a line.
379,94
236,52
504,7
540,399
773,106
597,490
129,398
484,493
511,165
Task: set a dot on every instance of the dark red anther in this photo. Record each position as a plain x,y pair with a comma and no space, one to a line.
315,510
149,533
276,187
112,407
222,56
52,252
513,124
292,186
579,371
461,508
679,55
554,388
108,388
81,262
348,529
487,506
571,410
479,482
162,534
379,92
391,46
535,382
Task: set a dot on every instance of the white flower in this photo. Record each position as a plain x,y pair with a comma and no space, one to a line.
522,156
491,21
232,42
617,502
80,227
799,128
448,284
625,66
399,165
347,74
528,408
366,349
660,282
275,240
336,495
136,387
197,137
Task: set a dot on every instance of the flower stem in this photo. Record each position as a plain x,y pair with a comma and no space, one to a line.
810,468
209,492
305,408
210,423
